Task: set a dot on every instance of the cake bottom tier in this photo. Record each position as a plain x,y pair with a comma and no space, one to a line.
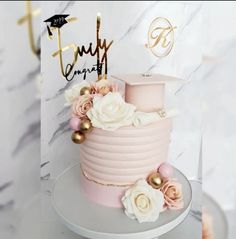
113,161
106,195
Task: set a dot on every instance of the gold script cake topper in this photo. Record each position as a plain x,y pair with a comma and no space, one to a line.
100,50
160,37
29,19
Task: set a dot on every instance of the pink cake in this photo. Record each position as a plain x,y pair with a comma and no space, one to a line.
112,161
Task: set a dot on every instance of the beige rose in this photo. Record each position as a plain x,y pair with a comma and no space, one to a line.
72,94
103,87
172,191
81,106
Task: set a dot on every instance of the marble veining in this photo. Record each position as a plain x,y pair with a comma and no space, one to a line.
5,185
139,19
7,206
34,106
31,134
28,78
188,78
63,6
196,214
62,90
45,177
44,164
63,128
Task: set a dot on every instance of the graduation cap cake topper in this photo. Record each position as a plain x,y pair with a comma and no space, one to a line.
100,50
56,21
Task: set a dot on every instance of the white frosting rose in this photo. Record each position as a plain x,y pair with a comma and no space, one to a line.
72,94
142,202
111,112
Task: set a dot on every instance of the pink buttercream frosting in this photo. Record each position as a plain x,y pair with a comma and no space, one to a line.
105,195
123,156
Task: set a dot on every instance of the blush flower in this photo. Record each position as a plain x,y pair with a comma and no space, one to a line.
173,195
103,87
81,106
72,94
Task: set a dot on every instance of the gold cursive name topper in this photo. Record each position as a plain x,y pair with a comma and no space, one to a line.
160,37
100,51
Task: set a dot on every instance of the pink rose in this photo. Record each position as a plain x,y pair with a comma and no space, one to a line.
172,191
81,106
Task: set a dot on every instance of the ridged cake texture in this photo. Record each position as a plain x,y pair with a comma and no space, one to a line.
121,157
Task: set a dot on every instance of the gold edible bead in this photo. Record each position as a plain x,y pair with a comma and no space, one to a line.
85,126
155,180
86,90
78,137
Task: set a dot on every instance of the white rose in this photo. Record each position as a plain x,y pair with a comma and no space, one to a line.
73,93
111,112
142,202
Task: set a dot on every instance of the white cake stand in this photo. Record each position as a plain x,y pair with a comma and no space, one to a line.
93,221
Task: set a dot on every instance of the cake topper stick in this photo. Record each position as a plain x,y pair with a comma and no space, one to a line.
98,54
29,18
56,22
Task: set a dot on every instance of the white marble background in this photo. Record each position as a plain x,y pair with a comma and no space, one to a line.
20,119
20,108
206,28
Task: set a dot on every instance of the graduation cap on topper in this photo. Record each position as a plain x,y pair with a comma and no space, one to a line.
150,87
56,21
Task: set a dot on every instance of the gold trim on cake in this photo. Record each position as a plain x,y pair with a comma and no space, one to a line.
103,184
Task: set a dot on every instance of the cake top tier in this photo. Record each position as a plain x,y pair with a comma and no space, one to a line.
146,92
146,79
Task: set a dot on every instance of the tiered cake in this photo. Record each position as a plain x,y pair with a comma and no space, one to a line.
113,160
125,140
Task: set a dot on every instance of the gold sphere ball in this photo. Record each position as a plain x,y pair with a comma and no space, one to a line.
86,90
86,126
155,180
78,137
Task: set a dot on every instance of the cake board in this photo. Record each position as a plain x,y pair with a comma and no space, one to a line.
94,221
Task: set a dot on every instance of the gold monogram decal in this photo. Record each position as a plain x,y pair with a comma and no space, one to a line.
160,37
